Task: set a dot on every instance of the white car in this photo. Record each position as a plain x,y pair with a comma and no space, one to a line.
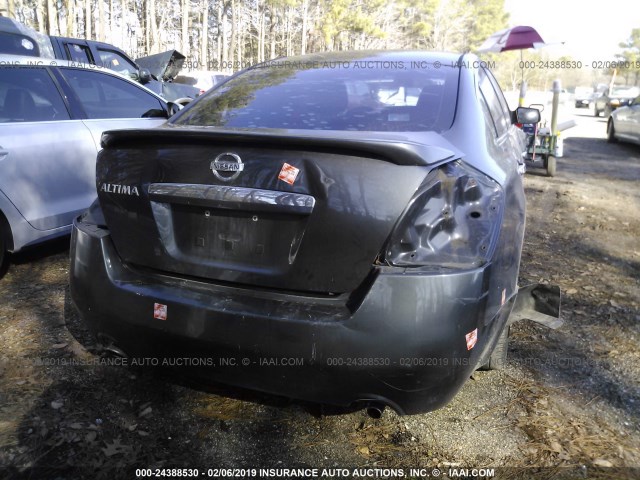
52,115
202,79
624,123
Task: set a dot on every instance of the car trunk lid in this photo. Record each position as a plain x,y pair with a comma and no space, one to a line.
306,213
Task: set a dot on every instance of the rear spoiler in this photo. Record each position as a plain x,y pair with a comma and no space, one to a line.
390,148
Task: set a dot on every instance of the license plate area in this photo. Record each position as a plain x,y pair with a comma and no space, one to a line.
242,240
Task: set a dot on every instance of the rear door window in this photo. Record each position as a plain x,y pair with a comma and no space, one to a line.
498,90
29,94
499,111
78,53
106,96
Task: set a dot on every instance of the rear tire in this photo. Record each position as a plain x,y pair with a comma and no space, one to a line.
551,166
611,132
596,113
498,358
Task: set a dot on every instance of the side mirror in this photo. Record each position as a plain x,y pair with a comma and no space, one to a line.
144,76
526,115
174,108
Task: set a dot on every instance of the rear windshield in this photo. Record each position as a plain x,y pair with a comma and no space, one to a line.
360,95
18,45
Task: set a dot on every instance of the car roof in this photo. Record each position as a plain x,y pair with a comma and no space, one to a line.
25,61
9,25
92,42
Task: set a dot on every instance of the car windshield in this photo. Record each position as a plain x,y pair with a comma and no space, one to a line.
624,92
365,95
115,61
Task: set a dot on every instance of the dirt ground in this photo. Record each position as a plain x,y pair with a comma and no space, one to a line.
567,406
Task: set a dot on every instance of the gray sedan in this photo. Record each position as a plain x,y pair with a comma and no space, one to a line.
339,228
52,114
624,123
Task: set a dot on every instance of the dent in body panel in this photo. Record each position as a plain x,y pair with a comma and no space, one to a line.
494,157
332,250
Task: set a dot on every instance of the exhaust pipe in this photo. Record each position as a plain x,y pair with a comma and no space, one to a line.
115,351
108,345
375,410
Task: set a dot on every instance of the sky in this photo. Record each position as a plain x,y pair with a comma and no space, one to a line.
591,30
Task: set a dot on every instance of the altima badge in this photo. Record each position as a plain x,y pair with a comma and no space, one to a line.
227,166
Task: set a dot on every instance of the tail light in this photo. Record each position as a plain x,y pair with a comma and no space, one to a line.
453,221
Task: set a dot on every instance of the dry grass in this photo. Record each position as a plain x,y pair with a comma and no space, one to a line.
562,435
220,408
390,441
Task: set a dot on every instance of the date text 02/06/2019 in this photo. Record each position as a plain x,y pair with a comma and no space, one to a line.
316,472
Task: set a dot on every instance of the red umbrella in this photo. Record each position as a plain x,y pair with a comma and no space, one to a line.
516,38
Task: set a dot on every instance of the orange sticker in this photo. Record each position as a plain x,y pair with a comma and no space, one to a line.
472,338
159,311
288,173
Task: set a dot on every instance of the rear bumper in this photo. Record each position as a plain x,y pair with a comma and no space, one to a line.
404,344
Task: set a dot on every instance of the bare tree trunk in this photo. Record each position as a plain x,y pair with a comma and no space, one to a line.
240,32
71,20
40,18
154,27
52,27
112,23
305,20
220,38
272,33
204,43
261,35
234,28
61,24
161,26
87,19
11,8
100,29
258,31
147,28
123,29
289,31
185,26
225,40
